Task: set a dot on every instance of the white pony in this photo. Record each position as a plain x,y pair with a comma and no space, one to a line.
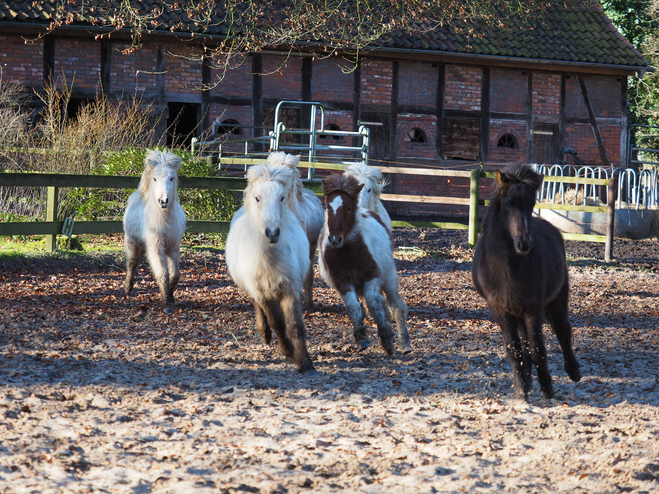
155,222
267,255
309,211
374,182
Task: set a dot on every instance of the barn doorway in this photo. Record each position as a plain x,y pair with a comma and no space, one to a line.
545,148
182,124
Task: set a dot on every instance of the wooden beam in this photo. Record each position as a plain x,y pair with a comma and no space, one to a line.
593,120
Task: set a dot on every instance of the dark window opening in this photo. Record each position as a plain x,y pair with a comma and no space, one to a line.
229,126
416,135
75,106
332,127
181,124
508,141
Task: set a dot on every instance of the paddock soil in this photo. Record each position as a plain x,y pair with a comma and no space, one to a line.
104,393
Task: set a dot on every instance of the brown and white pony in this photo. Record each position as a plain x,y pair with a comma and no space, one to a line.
307,208
356,259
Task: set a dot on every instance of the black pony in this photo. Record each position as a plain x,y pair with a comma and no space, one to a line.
519,268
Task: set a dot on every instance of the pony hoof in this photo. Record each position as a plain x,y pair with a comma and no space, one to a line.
362,345
388,348
405,349
309,372
168,310
575,375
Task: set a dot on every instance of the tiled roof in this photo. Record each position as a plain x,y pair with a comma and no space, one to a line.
569,31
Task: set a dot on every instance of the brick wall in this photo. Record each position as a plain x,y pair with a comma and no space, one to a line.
183,65
21,61
604,93
463,88
235,82
508,90
134,72
417,84
330,83
376,82
507,155
282,78
582,138
78,62
546,98
406,123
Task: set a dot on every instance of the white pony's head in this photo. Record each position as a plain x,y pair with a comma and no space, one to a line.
280,158
266,196
159,181
373,182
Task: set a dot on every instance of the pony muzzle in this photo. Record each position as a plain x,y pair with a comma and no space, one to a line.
272,235
523,244
164,202
336,240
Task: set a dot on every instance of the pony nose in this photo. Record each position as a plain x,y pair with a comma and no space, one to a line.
272,236
336,240
523,244
163,202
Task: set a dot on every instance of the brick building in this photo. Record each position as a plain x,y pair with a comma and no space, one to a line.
455,96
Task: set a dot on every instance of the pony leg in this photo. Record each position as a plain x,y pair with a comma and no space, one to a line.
557,314
516,354
537,351
262,323
398,308
275,319
297,333
308,283
380,314
158,262
173,261
134,253
356,315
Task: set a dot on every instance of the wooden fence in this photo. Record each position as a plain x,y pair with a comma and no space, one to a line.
52,227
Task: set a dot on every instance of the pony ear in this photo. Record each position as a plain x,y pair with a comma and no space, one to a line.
535,180
501,178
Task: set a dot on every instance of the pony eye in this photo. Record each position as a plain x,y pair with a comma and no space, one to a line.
154,179
282,199
368,190
171,179
258,199
349,208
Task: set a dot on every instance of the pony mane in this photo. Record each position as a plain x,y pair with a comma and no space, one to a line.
263,173
152,159
369,173
523,174
339,182
280,158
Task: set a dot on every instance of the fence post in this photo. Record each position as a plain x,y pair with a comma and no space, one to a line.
474,182
610,218
51,215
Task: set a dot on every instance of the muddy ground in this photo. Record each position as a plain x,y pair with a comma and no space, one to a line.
104,393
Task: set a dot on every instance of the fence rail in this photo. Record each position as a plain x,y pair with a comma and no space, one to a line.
52,227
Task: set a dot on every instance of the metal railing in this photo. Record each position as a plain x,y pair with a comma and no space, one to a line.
635,189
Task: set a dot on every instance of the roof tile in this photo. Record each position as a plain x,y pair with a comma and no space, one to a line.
575,31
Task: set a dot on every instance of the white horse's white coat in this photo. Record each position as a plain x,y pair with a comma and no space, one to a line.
261,268
154,222
374,182
307,208
267,255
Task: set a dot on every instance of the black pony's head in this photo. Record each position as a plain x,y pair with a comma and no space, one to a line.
516,189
